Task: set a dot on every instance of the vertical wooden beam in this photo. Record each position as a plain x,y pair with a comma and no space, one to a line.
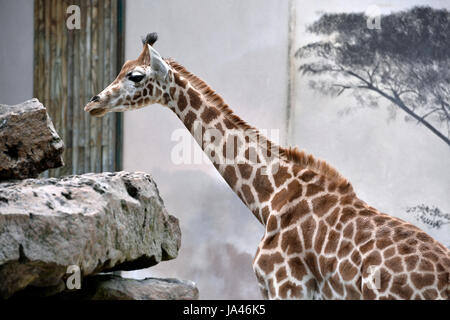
67,88
112,74
82,141
46,79
88,78
54,66
39,85
120,47
95,154
105,142
100,81
291,85
37,20
61,86
73,80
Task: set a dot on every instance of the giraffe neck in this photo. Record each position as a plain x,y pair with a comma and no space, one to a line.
244,158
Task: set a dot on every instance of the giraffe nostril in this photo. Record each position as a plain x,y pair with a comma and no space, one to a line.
95,99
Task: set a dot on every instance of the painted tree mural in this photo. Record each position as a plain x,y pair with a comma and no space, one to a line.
406,61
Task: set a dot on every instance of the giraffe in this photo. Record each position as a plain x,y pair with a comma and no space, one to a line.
320,241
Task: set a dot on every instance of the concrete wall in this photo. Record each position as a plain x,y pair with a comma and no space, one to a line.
240,49
16,51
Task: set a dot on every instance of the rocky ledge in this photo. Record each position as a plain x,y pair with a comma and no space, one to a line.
112,287
29,143
95,222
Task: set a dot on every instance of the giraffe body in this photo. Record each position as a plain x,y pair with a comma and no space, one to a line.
320,241
328,244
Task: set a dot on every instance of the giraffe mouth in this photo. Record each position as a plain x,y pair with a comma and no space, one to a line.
95,111
100,112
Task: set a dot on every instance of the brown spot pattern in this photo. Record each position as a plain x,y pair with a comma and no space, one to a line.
320,238
290,290
194,98
189,120
265,213
345,248
209,114
293,214
181,82
271,242
308,175
287,195
324,203
298,269
422,280
290,242
248,194
332,242
267,261
182,102
272,224
262,185
308,228
230,176
281,176
395,264
245,170
229,124
172,92
347,270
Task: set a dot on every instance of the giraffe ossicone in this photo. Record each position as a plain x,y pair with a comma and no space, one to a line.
321,241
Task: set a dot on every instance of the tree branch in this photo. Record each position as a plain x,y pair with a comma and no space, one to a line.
429,113
395,99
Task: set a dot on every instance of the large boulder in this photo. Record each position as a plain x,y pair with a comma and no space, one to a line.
29,143
98,222
113,287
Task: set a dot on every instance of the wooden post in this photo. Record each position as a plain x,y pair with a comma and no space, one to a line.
291,98
70,66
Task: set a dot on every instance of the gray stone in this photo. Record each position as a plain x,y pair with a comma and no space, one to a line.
99,222
29,143
110,287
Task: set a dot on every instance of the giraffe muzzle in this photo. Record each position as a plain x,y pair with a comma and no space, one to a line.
95,109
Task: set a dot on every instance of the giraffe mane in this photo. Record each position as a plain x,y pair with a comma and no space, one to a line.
295,155
304,159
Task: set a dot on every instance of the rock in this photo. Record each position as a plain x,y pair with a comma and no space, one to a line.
110,287
29,143
99,222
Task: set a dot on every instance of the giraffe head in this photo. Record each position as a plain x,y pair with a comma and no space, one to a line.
141,82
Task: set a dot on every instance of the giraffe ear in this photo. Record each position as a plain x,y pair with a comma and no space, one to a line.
157,63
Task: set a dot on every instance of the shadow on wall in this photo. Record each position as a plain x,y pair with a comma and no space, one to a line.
220,270
219,236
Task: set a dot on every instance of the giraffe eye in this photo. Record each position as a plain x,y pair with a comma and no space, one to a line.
135,77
